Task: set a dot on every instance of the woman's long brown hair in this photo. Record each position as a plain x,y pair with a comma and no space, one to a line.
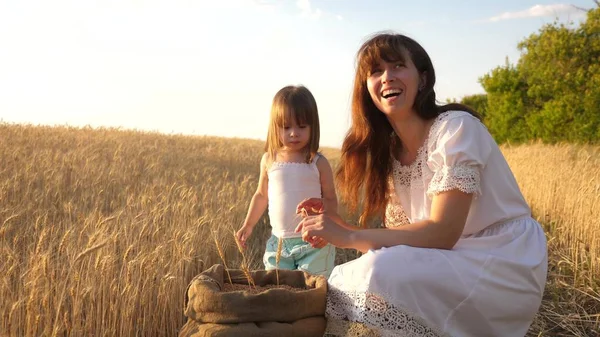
366,161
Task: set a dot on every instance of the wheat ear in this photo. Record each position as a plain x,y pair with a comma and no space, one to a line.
222,256
304,212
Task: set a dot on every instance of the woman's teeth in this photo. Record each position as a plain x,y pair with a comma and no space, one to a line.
391,93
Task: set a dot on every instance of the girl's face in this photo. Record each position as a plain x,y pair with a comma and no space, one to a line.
294,136
393,86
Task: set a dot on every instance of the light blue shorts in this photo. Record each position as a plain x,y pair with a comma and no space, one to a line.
297,254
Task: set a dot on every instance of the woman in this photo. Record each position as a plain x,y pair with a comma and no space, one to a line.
460,254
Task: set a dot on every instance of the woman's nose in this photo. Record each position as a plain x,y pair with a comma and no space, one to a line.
386,77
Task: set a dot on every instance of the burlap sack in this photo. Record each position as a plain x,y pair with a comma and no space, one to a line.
307,327
273,312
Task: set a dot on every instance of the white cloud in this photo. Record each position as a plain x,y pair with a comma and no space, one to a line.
307,10
555,10
339,17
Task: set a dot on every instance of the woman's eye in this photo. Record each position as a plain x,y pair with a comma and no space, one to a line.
399,65
303,126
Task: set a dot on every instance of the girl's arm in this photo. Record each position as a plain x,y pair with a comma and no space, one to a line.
258,203
330,202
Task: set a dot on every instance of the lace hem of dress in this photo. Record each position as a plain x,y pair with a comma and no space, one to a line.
462,177
353,313
337,327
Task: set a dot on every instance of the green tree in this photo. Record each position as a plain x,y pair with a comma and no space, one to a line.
560,66
478,102
506,104
553,92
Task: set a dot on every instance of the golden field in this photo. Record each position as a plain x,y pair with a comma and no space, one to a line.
102,229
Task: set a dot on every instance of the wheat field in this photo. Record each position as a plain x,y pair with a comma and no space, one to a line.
102,229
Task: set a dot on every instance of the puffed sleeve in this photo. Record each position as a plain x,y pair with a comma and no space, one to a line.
458,153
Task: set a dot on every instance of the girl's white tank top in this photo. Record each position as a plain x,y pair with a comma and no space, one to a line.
289,184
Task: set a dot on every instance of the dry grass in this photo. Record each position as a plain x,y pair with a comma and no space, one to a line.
562,184
152,200
101,230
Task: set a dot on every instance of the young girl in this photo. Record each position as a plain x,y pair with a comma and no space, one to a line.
291,170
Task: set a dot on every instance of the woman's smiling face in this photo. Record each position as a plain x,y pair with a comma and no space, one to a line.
393,85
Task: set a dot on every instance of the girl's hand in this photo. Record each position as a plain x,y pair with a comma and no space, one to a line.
322,227
243,234
311,206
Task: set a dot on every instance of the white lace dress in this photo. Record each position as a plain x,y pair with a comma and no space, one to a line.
490,284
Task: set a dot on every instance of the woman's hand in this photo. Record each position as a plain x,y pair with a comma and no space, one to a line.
317,242
310,206
317,227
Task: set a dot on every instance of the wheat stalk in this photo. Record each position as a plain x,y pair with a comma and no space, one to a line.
221,255
244,264
278,258
62,295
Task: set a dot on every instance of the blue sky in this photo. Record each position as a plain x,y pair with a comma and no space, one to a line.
212,67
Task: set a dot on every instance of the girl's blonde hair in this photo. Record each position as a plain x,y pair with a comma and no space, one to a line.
293,102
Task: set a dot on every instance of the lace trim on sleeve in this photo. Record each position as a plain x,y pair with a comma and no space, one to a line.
354,313
465,178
